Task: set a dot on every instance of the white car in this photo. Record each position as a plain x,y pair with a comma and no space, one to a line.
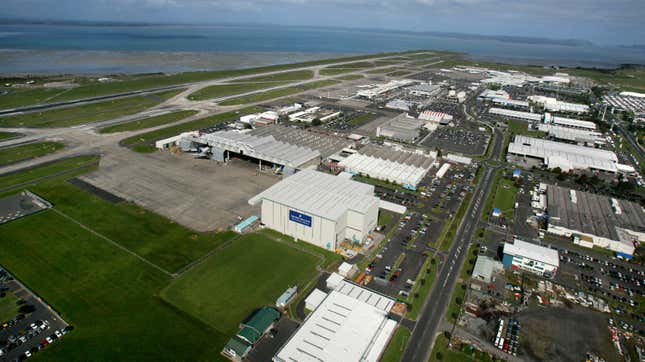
49,340
27,354
58,333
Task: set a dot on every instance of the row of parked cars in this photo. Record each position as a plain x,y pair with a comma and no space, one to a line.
36,329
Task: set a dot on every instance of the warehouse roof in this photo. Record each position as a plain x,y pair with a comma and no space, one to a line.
516,114
570,122
593,214
571,134
558,154
320,194
264,148
342,328
324,143
315,298
532,251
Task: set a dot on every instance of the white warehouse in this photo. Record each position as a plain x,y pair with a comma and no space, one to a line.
319,208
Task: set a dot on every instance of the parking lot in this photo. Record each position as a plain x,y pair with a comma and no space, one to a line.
396,267
460,140
31,327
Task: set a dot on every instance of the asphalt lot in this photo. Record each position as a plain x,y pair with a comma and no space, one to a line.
19,338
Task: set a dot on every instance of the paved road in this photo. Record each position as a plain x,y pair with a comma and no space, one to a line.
422,339
630,138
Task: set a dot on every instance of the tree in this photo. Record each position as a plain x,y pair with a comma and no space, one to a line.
26,309
439,356
316,122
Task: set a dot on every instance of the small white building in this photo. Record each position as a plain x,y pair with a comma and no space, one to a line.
531,257
347,270
334,280
314,299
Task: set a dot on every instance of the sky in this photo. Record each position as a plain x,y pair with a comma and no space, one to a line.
604,22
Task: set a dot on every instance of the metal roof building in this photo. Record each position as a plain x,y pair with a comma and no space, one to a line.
569,122
383,163
596,219
516,114
572,134
531,257
403,128
351,324
563,155
319,208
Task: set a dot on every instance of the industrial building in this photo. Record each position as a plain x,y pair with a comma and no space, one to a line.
436,117
375,90
525,116
553,105
403,167
424,90
578,136
531,257
626,101
569,122
350,324
490,95
400,105
319,208
511,103
563,155
283,148
401,128
485,267
595,220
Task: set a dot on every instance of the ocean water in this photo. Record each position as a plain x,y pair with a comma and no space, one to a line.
31,48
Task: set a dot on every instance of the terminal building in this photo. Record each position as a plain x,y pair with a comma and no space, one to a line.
595,220
531,257
319,208
350,323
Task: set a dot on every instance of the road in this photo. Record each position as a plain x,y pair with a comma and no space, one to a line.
433,310
630,138
419,347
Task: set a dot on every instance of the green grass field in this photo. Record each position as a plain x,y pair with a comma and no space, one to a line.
107,294
350,77
8,307
223,90
28,151
145,142
68,167
336,71
355,65
87,113
361,119
157,239
381,70
8,135
505,194
277,93
149,122
397,345
251,272
422,288
297,75
521,128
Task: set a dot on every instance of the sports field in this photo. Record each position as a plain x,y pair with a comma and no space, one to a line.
253,271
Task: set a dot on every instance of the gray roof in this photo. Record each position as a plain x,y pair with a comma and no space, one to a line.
320,194
592,214
326,144
261,147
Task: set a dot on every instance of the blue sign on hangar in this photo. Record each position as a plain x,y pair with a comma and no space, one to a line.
300,218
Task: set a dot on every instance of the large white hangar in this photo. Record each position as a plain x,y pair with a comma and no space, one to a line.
406,168
319,208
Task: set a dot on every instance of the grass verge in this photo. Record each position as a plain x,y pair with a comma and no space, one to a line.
277,93
28,151
87,113
148,122
397,345
68,167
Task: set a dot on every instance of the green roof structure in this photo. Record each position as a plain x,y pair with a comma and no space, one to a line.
253,329
237,347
